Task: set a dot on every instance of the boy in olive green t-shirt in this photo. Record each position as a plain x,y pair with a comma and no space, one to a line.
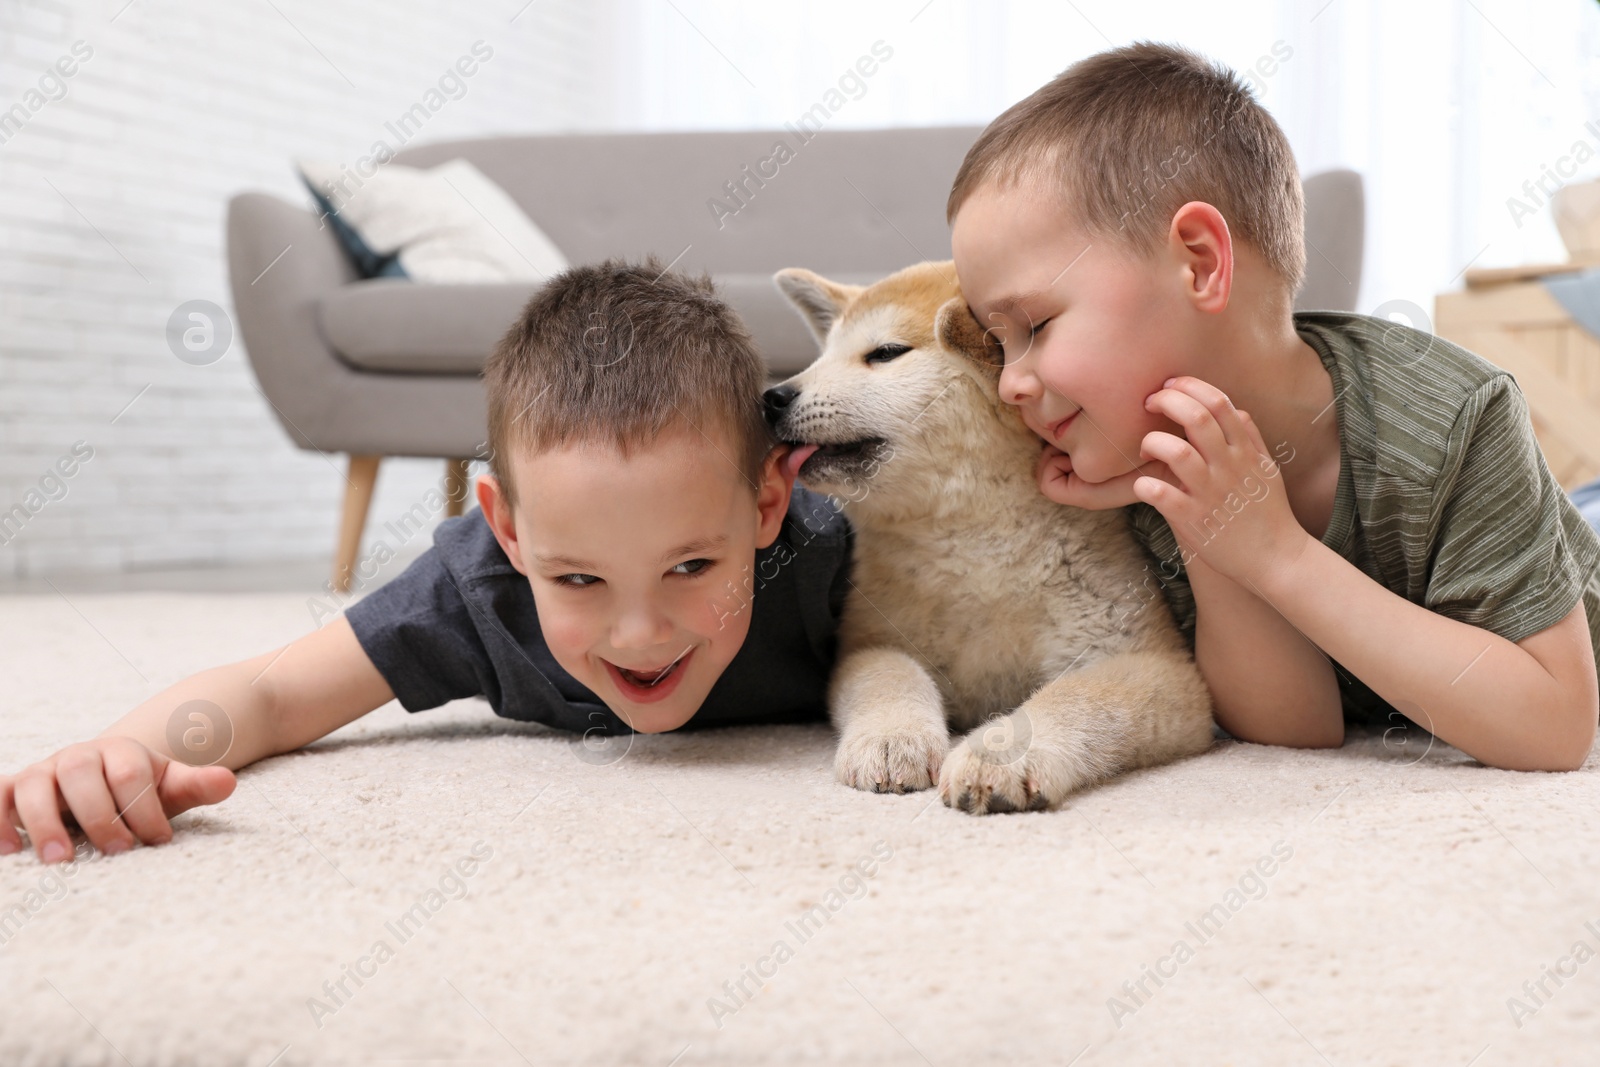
1133,236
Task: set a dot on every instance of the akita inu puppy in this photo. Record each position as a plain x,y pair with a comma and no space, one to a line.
973,596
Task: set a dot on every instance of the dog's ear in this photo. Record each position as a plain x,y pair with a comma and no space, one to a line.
819,301
955,328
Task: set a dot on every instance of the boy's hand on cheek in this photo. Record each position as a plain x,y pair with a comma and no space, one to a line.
1228,503
1058,482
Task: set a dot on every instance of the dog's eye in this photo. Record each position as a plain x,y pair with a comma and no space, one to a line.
884,353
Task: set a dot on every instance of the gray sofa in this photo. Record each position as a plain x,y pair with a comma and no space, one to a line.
388,367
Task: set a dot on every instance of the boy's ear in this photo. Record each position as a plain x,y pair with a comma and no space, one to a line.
772,496
497,512
1199,238
819,301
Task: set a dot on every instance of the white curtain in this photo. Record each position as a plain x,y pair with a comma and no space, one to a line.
1449,108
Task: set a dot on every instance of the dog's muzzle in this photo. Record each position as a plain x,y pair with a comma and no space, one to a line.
834,462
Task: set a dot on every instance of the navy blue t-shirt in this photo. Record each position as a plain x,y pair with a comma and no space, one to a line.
460,622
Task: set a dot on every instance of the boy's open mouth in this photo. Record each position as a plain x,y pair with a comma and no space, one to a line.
653,683
648,679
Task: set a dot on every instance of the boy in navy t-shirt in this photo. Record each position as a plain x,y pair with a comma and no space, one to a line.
641,561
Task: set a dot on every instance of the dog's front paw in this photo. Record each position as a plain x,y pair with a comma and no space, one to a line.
988,771
890,762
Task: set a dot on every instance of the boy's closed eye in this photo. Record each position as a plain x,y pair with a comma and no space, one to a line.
1030,331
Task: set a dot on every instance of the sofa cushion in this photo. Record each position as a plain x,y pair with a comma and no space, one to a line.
368,264
402,327
449,225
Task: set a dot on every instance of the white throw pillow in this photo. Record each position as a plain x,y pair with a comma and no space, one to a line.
450,223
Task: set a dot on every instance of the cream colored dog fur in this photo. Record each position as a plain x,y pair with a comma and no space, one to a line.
977,604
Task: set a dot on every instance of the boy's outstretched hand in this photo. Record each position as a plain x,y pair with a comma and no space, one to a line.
116,789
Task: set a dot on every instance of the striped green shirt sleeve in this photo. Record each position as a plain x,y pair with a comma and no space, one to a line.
1444,496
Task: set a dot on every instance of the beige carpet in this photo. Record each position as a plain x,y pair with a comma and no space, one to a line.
611,911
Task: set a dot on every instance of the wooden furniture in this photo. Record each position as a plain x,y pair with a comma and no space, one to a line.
359,484
1508,317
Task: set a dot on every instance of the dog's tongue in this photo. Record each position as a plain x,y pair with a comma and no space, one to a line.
797,455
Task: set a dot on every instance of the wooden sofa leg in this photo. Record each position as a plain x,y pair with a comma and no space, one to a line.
357,499
455,487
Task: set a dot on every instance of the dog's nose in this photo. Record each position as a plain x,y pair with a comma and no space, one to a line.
777,398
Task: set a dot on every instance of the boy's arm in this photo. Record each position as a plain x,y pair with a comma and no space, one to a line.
1529,705
274,703
1268,683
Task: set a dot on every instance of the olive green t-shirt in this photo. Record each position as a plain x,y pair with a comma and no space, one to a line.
1444,496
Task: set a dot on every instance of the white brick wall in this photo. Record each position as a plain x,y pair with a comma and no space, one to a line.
181,105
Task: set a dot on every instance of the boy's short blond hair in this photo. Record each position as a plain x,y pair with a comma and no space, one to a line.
617,352
1127,137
